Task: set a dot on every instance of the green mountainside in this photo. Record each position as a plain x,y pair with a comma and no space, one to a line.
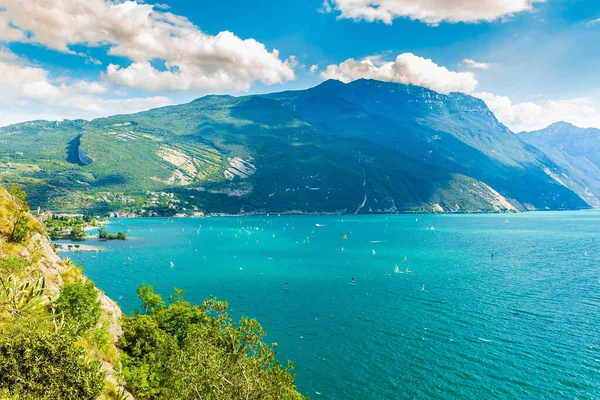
362,147
456,132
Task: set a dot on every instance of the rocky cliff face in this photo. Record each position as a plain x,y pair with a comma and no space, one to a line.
38,260
84,159
54,269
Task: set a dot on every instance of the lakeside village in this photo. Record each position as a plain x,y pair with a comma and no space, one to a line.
153,204
76,227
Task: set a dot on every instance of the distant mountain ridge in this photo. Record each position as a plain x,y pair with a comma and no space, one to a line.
576,151
362,147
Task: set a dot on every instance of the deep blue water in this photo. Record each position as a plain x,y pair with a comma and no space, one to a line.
525,324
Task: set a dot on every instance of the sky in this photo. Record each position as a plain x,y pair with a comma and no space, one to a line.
534,62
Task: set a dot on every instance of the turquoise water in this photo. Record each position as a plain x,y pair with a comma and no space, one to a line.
523,325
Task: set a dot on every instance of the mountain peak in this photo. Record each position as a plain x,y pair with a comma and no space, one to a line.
561,125
330,83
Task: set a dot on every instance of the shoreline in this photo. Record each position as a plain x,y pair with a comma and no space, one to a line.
288,213
301,213
82,248
340,213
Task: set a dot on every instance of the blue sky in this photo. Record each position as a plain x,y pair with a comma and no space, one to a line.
532,61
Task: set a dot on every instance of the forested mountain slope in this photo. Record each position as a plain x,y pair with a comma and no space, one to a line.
362,147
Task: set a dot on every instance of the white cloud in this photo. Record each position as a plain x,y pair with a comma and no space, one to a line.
28,93
411,69
476,65
429,11
7,32
313,68
593,22
142,33
407,69
528,116
91,107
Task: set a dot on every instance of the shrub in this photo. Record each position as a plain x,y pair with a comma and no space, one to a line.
78,302
47,366
180,350
21,230
12,265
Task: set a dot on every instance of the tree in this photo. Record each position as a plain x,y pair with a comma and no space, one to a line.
180,350
78,302
47,365
20,197
150,301
102,233
77,233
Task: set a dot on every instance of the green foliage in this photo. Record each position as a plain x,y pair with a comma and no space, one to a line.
104,235
12,265
69,227
77,233
78,302
180,350
20,297
16,211
21,231
102,340
17,192
46,345
47,366
150,301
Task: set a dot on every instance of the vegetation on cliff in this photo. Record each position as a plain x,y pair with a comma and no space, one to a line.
61,338
175,349
52,343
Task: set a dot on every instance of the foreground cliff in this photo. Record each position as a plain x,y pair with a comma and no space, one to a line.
57,331
62,338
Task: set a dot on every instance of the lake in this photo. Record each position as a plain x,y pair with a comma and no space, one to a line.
459,324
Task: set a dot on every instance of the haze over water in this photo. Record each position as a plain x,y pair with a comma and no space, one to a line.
524,324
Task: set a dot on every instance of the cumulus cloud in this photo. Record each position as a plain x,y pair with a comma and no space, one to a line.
533,115
408,69
411,69
313,68
29,93
476,65
193,60
7,32
429,11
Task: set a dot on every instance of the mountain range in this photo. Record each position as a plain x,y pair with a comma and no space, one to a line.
362,147
577,152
